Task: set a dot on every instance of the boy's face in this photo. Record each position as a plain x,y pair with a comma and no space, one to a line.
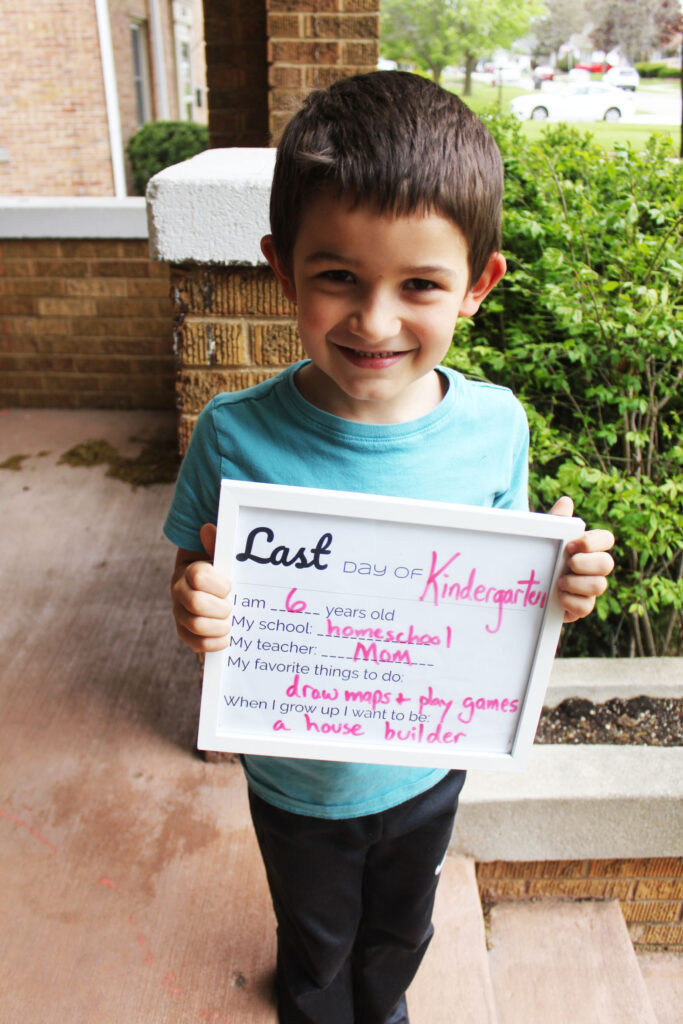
378,297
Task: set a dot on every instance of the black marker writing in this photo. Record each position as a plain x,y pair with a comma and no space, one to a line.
281,554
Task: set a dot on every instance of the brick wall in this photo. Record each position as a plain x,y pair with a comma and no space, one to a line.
263,57
649,890
312,43
55,131
84,324
54,120
236,72
233,328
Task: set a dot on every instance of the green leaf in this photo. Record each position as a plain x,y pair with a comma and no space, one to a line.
587,329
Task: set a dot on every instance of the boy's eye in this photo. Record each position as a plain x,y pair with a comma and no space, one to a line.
420,284
338,276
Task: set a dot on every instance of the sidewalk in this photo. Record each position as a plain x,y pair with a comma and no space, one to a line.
133,891
119,848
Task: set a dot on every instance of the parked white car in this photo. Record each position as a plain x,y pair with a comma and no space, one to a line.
589,101
623,78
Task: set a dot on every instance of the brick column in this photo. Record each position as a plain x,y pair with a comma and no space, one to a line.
236,72
264,56
233,327
311,43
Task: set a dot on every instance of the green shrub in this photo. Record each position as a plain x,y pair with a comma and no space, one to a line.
649,69
656,69
161,144
587,328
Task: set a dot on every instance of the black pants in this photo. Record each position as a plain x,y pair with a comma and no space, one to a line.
353,900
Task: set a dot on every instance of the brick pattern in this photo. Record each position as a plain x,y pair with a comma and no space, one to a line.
236,72
56,103
84,324
233,328
54,121
312,43
649,890
263,58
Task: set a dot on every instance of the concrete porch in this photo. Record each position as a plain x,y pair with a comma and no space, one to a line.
132,888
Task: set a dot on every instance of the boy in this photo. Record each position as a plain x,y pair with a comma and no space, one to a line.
385,219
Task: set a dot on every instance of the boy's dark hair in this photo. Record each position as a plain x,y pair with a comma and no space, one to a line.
398,142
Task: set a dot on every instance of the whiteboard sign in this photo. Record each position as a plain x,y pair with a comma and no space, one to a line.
380,630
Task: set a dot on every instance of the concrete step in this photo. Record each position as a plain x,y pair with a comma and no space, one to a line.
453,983
663,975
602,679
575,803
565,963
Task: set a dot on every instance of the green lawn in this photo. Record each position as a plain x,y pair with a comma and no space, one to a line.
660,85
607,134
486,98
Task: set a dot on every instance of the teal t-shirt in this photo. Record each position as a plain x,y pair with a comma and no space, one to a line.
471,449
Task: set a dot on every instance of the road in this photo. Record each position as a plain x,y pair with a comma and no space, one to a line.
656,107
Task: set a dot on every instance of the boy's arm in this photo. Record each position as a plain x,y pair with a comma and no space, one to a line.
588,567
201,607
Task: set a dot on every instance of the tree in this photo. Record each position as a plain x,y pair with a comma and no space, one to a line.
634,26
563,20
436,33
424,32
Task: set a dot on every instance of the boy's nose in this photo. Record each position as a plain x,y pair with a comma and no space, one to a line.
375,320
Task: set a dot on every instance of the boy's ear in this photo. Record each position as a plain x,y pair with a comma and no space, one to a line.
493,272
282,274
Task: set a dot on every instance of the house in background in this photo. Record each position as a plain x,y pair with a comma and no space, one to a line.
85,317
81,76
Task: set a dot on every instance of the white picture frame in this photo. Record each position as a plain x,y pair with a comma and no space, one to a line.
381,630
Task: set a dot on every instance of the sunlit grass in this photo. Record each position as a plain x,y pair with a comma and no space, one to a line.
487,98
607,134
666,85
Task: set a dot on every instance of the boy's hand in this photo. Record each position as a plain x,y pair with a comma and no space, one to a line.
587,567
201,607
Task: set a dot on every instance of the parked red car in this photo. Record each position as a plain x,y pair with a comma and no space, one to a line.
595,69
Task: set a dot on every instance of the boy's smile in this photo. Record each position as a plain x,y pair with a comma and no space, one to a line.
378,297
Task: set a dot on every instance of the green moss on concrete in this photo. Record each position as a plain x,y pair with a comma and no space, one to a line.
14,462
156,463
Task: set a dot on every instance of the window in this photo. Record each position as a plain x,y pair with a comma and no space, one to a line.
185,96
182,31
143,103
